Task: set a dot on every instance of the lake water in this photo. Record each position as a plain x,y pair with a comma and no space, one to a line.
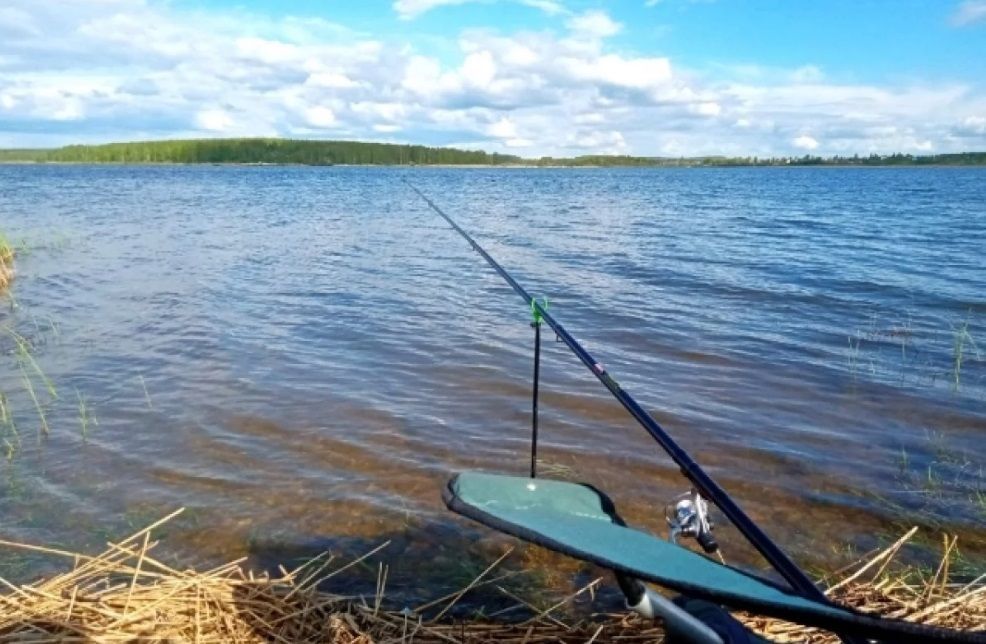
302,356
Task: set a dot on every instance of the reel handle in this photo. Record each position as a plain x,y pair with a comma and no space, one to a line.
707,541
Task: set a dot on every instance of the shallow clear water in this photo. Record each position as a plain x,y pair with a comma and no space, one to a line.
301,356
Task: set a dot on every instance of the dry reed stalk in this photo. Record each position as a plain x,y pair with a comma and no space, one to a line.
901,593
124,594
6,263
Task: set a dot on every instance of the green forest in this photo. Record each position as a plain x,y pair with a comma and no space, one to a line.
310,152
964,158
279,151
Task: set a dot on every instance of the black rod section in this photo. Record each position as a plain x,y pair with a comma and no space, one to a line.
534,403
689,468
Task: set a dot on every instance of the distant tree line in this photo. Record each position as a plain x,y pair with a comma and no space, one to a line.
274,151
964,158
309,152
22,155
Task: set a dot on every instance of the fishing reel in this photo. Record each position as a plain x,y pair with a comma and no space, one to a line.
688,515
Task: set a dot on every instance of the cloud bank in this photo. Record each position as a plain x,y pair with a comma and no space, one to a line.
135,69
969,12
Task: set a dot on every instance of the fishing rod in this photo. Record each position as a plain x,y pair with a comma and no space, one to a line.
703,483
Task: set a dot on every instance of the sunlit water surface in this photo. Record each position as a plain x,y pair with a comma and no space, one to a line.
302,356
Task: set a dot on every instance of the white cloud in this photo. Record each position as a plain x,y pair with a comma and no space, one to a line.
519,55
376,110
589,118
594,24
612,69
805,142
330,80
320,116
971,126
125,69
214,120
422,74
14,21
975,124
969,12
598,142
271,52
478,69
70,110
503,129
709,108
410,9
550,7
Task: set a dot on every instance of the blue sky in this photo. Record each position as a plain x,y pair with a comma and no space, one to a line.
529,77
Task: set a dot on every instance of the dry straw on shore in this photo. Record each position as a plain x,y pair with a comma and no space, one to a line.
125,594
876,585
6,262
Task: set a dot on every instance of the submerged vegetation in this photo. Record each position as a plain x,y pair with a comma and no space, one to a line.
28,395
926,353
37,392
314,152
962,343
939,483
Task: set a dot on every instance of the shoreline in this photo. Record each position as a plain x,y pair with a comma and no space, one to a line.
489,166
286,151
